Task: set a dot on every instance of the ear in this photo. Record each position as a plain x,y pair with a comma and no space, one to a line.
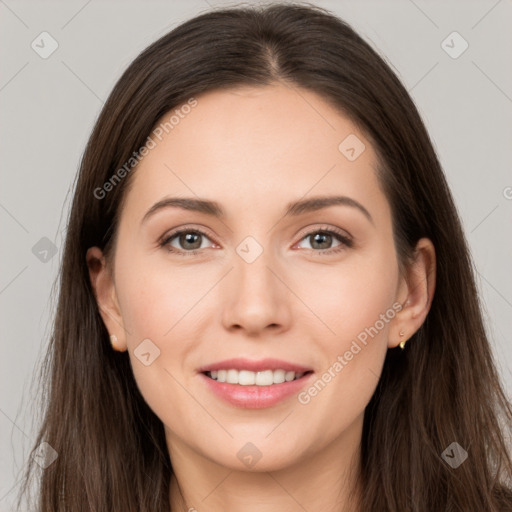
416,292
104,290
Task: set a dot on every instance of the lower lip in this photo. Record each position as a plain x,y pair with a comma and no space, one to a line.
255,397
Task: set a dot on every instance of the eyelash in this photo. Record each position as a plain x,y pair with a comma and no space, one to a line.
346,242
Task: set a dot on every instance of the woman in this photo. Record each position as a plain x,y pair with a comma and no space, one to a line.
319,345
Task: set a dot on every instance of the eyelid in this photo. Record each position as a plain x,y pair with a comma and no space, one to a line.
312,228
173,232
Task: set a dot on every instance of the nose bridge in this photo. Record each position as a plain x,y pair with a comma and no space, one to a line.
257,298
252,266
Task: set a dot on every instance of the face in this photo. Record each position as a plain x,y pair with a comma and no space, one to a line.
315,287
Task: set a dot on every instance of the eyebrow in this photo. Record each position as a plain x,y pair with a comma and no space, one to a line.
294,208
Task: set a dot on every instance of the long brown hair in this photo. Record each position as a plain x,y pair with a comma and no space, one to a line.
442,388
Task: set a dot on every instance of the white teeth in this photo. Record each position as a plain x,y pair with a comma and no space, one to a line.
279,376
289,376
264,378
232,377
248,378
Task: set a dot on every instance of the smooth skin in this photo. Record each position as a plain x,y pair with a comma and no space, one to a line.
304,299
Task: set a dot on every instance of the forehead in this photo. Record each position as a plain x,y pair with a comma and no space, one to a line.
253,145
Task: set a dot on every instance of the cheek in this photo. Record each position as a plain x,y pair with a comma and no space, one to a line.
154,307
351,297
156,295
355,306
146,310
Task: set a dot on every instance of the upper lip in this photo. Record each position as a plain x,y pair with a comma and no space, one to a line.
240,363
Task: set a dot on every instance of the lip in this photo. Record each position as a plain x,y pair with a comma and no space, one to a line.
240,363
255,397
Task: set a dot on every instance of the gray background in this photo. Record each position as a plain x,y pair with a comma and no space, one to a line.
48,107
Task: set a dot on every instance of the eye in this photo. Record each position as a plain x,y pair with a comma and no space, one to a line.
321,241
190,241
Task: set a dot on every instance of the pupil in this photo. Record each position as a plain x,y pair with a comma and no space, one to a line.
189,238
319,237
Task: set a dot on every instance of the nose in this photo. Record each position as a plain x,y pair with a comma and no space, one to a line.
256,297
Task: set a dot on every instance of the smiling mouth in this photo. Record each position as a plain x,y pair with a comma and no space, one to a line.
249,378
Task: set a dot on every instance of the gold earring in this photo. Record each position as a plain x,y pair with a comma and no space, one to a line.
403,342
113,341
